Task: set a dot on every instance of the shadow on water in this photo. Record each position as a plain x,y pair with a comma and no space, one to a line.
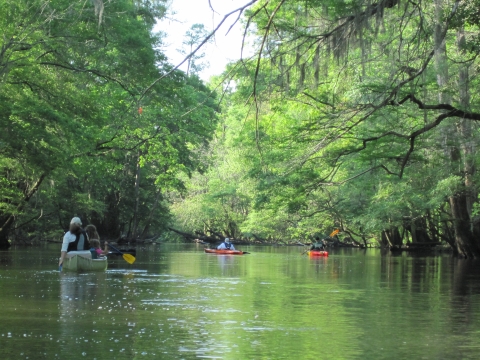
5,259
464,298
466,278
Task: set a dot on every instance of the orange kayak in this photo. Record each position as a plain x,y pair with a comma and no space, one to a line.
224,252
317,253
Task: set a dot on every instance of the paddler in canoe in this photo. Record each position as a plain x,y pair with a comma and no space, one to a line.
318,245
76,239
226,245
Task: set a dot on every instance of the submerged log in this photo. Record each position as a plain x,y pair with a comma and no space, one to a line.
147,241
198,241
194,237
258,238
211,239
415,246
422,244
220,236
127,240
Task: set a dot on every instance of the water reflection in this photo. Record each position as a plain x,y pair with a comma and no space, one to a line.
81,298
465,278
177,302
319,264
464,302
5,259
226,264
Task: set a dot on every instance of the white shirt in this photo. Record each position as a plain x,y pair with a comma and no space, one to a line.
67,239
223,247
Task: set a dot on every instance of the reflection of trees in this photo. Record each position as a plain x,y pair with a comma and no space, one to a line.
266,304
465,288
277,304
463,283
5,258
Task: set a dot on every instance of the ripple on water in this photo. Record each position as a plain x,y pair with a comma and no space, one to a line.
277,306
125,271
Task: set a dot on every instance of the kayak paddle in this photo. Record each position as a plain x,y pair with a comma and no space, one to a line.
334,232
127,257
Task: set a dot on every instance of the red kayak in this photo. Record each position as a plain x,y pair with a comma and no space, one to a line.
224,252
316,253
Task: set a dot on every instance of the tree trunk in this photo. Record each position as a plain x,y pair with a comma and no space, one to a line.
110,225
137,198
440,55
418,230
383,239
464,127
461,204
392,236
464,240
150,216
316,68
450,237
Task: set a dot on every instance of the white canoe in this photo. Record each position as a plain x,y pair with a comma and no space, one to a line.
82,261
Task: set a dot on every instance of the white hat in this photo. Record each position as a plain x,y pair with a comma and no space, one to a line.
76,220
227,240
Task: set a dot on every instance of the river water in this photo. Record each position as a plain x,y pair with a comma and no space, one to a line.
175,302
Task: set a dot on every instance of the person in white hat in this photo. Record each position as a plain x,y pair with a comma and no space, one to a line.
74,239
226,245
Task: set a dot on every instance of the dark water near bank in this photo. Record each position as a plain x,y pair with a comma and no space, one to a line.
176,302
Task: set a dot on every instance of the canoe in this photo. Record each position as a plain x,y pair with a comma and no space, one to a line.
82,261
315,253
224,252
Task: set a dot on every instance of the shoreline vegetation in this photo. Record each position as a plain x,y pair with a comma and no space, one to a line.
359,116
331,242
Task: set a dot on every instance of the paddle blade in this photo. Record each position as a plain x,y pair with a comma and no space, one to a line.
129,258
334,232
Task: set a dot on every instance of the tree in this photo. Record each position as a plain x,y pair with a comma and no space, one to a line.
69,97
194,37
369,98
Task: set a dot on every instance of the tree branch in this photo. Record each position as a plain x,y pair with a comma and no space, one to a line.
240,9
93,71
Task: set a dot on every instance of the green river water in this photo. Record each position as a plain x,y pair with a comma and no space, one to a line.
176,302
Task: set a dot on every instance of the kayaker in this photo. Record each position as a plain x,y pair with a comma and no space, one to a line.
226,245
319,245
74,239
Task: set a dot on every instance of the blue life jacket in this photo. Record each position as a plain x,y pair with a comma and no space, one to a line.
318,246
227,245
